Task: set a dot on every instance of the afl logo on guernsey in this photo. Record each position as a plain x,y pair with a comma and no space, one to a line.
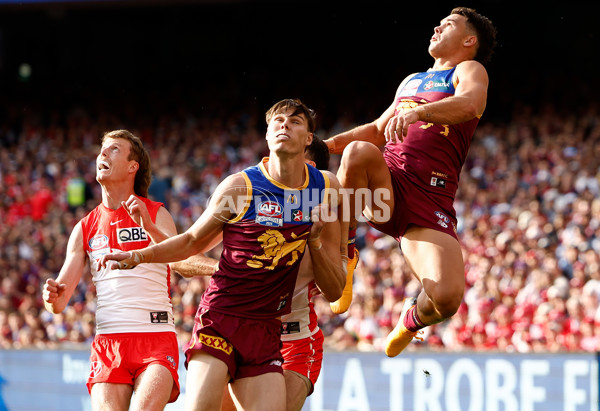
411,88
269,213
98,241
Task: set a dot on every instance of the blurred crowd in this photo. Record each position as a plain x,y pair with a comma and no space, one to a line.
529,222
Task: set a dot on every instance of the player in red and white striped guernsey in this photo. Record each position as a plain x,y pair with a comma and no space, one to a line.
135,347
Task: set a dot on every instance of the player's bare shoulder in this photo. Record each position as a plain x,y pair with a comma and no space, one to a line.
334,192
333,180
232,194
473,70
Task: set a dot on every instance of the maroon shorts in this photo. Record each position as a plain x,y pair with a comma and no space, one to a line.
121,358
414,206
249,347
304,356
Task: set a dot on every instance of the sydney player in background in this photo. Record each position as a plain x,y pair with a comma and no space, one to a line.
266,216
426,131
135,347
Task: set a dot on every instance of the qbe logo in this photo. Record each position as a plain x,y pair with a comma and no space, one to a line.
131,234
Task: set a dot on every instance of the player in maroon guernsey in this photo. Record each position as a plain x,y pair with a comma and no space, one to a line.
302,339
426,132
135,346
265,215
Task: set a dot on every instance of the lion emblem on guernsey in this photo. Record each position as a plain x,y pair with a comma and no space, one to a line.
405,104
275,247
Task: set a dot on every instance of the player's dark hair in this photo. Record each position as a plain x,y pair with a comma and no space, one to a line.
318,152
298,107
138,152
485,31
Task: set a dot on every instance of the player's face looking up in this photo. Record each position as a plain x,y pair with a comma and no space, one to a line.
288,132
113,159
449,35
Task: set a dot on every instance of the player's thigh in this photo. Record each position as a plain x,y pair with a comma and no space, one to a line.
364,170
227,404
435,258
265,392
206,378
111,397
297,387
153,388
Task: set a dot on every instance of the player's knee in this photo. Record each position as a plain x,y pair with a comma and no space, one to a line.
358,153
449,307
447,300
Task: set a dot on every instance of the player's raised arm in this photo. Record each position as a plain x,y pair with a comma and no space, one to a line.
373,132
370,132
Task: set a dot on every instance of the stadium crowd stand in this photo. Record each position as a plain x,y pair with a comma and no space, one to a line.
528,207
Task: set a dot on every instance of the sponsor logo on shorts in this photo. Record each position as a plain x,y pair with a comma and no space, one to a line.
443,219
171,361
438,182
276,362
217,343
95,369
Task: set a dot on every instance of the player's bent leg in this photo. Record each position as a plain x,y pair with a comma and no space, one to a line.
111,397
153,388
297,387
363,167
436,259
265,392
365,175
206,378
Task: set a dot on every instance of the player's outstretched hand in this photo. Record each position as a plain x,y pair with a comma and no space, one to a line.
123,260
